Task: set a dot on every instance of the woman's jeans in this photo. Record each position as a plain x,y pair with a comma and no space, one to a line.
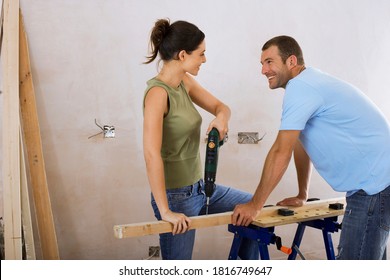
191,200
365,227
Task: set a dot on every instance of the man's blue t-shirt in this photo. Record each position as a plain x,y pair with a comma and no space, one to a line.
345,135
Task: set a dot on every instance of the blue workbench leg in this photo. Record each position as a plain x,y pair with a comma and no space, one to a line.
263,236
328,245
233,255
263,249
297,241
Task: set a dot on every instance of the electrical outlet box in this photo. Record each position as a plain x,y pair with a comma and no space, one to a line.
154,251
248,138
109,131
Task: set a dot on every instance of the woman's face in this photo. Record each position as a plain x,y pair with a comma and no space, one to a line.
193,61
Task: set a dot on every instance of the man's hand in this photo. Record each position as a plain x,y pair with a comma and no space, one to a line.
181,223
292,201
244,214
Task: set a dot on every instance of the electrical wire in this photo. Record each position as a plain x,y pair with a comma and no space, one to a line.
154,254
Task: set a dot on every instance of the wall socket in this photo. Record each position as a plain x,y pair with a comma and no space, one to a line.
109,131
249,137
154,251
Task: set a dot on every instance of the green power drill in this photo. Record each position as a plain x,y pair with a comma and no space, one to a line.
211,159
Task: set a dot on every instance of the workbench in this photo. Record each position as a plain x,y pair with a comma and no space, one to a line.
315,214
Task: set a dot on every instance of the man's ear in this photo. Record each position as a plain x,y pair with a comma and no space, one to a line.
292,61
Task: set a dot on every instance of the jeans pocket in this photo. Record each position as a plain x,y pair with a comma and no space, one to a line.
384,211
177,197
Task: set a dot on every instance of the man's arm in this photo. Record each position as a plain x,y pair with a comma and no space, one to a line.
303,166
276,163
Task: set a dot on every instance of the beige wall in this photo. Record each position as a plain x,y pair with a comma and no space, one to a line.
87,63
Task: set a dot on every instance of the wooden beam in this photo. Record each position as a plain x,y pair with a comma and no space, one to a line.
32,137
155,227
1,24
27,228
11,121
268,217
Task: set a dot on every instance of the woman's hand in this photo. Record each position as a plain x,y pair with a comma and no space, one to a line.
221,126
181,223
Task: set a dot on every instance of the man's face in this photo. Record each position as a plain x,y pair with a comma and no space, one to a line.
276,71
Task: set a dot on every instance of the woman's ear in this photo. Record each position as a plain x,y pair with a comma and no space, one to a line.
181,55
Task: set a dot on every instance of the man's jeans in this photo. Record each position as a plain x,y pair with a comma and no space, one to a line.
191,201
365,227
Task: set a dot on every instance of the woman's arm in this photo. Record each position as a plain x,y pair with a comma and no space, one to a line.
204,99
155,108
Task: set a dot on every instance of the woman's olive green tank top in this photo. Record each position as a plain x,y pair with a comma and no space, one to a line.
181,137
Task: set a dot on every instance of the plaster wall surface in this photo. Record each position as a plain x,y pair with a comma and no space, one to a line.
87,57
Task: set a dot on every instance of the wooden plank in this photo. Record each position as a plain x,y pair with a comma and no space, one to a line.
28,235
32,137
1,25
268,217
155,227
11,157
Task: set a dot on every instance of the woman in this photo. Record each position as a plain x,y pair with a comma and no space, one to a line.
172,136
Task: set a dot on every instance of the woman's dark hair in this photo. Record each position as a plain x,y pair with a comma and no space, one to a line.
287,46
169,39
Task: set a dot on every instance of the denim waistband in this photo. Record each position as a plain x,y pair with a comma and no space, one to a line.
196,187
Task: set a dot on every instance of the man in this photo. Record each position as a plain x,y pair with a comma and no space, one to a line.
329,123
